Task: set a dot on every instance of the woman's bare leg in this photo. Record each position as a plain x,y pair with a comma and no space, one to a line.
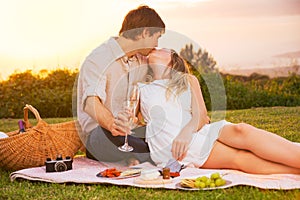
223,156
264,144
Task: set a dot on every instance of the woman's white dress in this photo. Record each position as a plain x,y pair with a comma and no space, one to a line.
165,118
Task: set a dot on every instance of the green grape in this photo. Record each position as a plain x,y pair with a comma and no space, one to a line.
207,182
197,183
219,182
215,175
202,178
223,182
202,185
212,185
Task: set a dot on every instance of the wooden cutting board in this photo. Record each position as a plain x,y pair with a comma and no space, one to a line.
158,181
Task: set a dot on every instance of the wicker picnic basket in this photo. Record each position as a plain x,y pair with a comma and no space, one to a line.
33,147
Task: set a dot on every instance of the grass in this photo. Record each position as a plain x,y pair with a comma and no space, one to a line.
281,120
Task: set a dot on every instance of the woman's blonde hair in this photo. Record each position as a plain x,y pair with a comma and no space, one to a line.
179,74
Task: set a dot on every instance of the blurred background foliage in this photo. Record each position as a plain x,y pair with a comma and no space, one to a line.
51,94
51,91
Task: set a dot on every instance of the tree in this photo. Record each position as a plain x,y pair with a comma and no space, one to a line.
200,60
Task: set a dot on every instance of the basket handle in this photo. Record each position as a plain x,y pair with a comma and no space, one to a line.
34,111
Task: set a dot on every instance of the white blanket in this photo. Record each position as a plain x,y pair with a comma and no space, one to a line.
85,171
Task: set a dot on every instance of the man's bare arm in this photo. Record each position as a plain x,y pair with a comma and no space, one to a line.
95,108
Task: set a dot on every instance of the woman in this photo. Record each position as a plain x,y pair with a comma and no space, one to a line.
178,126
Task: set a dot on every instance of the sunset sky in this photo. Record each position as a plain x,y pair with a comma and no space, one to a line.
46,34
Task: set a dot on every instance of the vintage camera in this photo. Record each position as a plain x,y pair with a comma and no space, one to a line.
58,165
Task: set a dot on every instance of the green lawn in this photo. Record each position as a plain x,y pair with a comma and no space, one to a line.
281,120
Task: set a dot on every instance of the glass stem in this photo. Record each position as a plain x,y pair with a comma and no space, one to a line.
126,139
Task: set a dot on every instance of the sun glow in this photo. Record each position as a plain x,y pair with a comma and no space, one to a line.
40,30
180,1
39,34
46,34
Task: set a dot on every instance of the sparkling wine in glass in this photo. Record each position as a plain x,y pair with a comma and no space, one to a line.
130,106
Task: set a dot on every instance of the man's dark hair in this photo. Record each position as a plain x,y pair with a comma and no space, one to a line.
138,19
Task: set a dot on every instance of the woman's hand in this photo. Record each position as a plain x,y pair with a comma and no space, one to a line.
180,145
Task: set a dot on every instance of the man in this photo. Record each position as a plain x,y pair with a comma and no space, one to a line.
104,81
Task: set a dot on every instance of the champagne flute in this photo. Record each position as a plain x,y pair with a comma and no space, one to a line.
130,105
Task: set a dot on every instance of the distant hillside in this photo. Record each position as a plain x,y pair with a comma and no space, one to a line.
271,72
294,54
283,65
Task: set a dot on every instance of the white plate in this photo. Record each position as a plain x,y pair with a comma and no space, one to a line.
178,186
136,173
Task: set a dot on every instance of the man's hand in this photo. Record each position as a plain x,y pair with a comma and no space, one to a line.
104,117
120,125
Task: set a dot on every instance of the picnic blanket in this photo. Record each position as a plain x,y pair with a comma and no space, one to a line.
85,171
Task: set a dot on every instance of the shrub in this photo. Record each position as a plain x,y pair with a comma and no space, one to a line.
52,94
262,92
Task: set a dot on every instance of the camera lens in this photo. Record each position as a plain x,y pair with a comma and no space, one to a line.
60,166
